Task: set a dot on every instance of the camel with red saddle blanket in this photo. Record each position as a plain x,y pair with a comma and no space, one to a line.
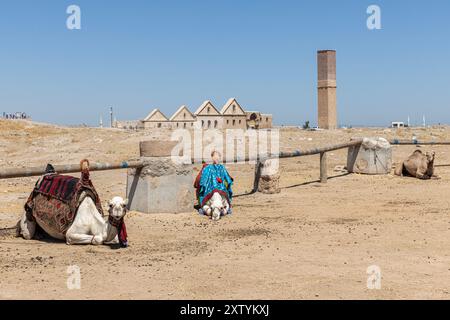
68,208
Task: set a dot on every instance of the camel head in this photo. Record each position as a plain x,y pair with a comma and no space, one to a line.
216,206
117,208
430,156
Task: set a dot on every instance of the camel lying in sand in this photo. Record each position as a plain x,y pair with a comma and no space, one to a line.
419,165
88,226
78,219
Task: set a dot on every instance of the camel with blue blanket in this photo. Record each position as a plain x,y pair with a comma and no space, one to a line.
213,185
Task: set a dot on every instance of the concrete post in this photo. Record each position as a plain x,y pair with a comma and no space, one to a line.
160,186
269,181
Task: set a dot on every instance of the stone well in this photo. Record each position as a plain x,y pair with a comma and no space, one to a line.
161,185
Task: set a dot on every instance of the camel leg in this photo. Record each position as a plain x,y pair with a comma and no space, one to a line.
422,173
419,175
422,176
27,228
113,241
207,210
399,169
78,238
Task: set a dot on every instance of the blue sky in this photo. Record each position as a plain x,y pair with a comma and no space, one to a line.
138,55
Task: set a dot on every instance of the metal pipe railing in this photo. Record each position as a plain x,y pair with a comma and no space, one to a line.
296,153
309,152
416,142
8,173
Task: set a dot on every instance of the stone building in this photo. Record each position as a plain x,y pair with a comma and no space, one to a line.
207,116
233,115
129,124
182,118
258,120
156,119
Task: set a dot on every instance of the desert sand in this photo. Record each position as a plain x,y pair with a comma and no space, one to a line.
311,241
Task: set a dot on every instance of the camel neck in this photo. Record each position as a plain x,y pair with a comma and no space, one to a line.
111,231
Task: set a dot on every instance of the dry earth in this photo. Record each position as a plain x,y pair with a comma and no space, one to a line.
311,241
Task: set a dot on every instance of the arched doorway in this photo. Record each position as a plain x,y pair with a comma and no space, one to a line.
253,121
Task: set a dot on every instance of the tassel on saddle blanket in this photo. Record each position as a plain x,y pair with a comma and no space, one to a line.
55,199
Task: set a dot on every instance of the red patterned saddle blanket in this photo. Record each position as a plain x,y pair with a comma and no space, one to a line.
54,202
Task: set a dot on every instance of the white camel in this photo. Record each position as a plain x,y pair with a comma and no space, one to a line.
216,206
88,227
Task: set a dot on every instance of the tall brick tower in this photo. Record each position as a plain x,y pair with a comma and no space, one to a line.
326,89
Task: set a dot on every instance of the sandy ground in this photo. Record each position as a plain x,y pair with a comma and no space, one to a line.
311,241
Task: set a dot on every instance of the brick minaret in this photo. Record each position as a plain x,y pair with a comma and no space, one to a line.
326,87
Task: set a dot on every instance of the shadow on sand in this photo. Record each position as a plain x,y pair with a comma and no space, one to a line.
296,185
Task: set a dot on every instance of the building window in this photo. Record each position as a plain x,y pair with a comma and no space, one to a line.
228,121
184,125
209,123
267,119
215,123
184,115
177,124
234,122
159,125
234,108
203,123
208,109
192,124
239,121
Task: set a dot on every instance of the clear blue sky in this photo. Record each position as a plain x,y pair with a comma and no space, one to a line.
138,55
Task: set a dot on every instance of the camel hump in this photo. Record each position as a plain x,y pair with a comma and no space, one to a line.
417,157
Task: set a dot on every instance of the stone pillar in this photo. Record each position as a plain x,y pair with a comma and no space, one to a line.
269,179
161,186
326,87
